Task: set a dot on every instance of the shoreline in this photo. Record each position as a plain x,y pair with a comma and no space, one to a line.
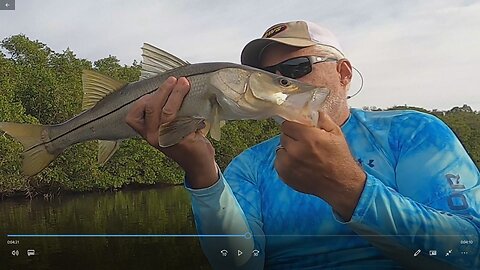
48,196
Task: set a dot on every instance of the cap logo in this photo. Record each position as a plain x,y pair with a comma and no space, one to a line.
274,30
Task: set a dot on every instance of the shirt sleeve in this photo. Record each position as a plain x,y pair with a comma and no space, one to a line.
228,221
435,207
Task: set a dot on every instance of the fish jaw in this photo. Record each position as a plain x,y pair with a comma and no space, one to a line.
303,107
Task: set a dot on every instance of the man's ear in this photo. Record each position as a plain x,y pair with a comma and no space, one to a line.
344,68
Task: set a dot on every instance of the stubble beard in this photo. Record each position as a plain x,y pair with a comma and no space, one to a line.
336,107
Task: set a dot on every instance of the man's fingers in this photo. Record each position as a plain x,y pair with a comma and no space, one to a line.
161,95
144,116
135,117
294,130
175,100
326,123
152,119
286,141
287,144
153,109
295,149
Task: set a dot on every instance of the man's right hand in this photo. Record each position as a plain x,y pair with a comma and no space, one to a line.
194,153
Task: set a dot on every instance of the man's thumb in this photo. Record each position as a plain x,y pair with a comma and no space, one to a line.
326,123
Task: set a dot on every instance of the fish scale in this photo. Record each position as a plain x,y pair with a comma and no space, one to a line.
198,94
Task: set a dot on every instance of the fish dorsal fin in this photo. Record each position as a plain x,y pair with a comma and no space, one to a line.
156,61
96,86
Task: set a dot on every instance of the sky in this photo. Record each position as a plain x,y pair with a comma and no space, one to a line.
418,53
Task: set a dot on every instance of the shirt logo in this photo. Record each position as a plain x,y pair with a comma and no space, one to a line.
370,162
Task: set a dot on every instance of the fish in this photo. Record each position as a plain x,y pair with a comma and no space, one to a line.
219,91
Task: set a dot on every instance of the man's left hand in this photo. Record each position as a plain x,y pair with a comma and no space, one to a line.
317,161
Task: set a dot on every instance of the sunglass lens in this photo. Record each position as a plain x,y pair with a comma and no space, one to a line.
295,68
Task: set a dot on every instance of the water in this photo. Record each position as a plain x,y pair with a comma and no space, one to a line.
152,211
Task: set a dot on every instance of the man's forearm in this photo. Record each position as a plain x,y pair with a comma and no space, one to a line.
218,213
202,177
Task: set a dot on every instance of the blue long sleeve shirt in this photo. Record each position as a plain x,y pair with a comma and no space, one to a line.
419,207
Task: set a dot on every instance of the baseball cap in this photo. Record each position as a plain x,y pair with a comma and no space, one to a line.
296,33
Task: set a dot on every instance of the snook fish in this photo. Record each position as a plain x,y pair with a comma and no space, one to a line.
218,92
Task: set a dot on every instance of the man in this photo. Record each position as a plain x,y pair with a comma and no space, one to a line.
361,190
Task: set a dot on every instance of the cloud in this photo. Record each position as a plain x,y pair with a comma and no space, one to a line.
410,52
425,58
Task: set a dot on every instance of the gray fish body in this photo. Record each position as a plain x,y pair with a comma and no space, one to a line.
218,92
106,120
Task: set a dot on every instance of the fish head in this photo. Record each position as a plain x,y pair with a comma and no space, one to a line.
291,99
257,94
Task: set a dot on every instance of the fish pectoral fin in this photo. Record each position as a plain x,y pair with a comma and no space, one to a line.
156,61
206,129
216,124
215,131
96,86
173,132
106,149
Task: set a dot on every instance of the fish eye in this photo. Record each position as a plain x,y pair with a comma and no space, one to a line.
284,82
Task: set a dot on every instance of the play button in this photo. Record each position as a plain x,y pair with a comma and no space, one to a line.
239,252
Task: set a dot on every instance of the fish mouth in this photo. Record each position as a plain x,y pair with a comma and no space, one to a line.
302,107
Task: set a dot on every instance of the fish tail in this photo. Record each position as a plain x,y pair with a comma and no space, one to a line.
34,139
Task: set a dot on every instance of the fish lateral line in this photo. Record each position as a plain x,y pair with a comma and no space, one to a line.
107,114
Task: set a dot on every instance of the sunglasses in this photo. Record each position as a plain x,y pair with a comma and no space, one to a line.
297,67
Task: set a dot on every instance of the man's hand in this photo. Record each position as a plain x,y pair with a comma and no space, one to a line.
194,153
318,161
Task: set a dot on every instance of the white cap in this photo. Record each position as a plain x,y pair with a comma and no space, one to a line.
297,34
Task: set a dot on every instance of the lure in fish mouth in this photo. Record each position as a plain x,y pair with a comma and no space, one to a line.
218,92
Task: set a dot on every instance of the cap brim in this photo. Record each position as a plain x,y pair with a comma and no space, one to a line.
251,53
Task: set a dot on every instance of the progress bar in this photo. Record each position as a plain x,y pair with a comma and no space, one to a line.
245,235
